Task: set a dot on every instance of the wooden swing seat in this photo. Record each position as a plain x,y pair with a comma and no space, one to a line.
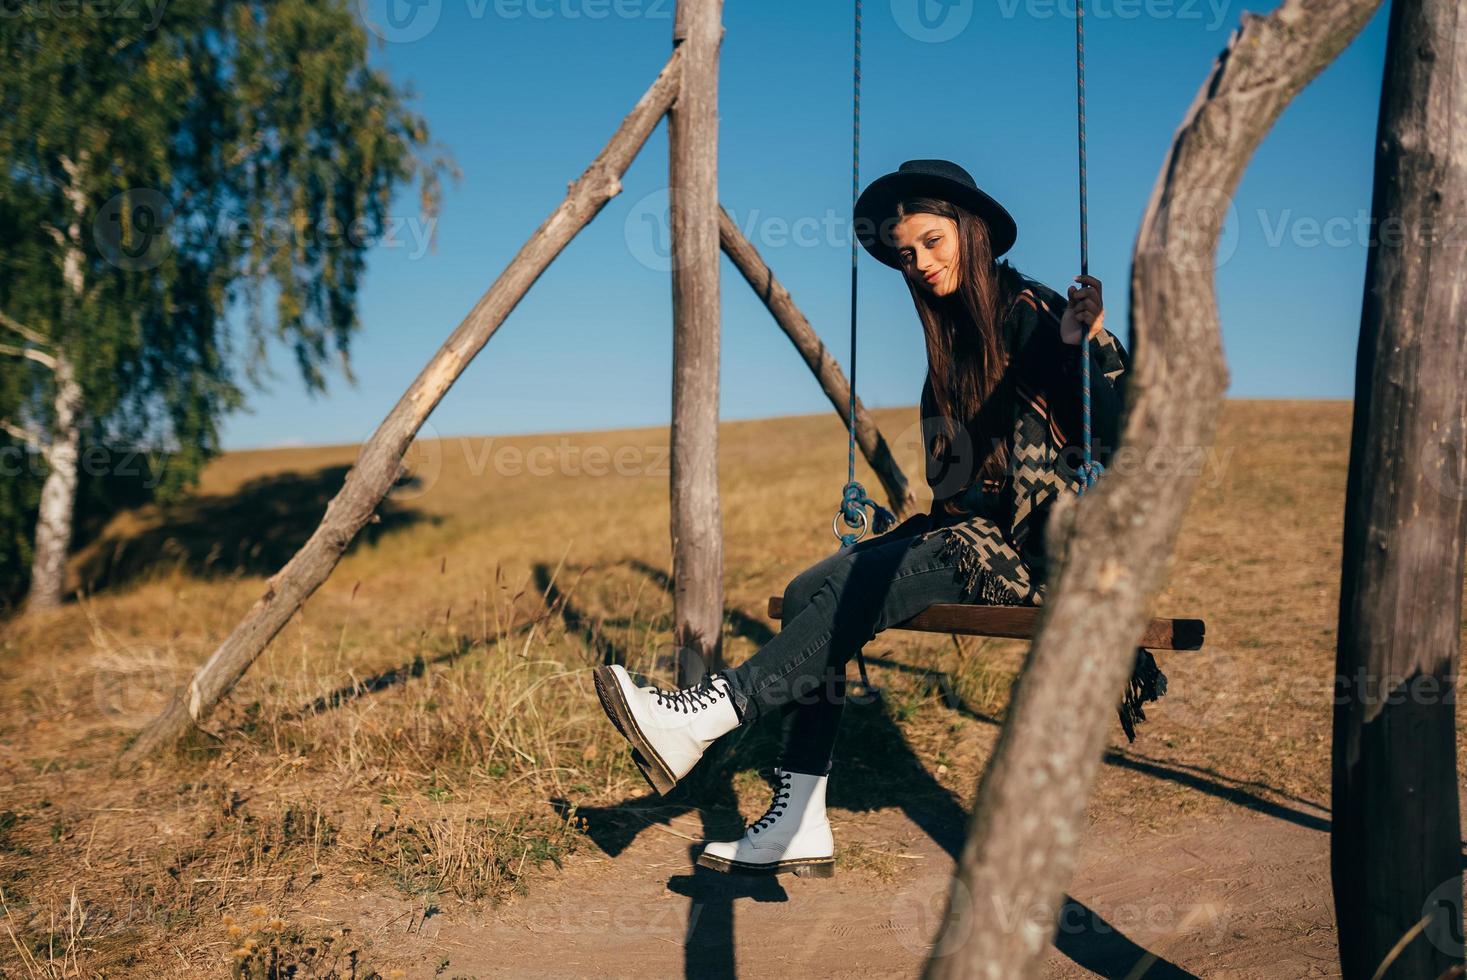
1018,622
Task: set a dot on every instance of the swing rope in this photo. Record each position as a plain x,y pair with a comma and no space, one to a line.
1090,469
1147,682
854,499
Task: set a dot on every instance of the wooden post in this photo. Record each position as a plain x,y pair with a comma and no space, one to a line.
379,463
696,522
832,380
1113,544
1395,852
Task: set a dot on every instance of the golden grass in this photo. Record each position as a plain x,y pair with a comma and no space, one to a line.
426,728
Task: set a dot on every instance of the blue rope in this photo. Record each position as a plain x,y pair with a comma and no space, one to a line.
1090,469
854,501
853,498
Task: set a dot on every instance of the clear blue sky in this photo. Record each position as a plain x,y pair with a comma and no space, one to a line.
525,92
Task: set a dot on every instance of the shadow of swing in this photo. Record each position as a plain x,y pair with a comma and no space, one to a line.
885,773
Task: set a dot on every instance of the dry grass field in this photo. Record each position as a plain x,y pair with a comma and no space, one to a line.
416,778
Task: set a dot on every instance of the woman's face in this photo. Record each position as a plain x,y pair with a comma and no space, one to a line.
927,247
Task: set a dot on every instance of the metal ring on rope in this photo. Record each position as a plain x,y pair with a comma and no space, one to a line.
864,522
854,502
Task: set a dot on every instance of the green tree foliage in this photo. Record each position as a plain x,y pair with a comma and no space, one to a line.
175,195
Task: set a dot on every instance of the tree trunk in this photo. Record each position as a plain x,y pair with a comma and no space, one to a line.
379,463
696,523
1113,545
58,492
1395,852
832,380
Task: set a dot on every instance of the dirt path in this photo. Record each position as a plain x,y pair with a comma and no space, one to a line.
1238,896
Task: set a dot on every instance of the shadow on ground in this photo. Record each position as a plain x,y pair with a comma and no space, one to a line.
878,770
252,531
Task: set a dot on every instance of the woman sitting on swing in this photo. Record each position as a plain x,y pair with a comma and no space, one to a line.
1003,353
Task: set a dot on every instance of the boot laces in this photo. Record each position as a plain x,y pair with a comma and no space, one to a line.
776,807
690,699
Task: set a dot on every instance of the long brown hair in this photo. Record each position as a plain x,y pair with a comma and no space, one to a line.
967,361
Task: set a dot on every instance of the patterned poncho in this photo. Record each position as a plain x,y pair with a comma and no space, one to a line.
996,528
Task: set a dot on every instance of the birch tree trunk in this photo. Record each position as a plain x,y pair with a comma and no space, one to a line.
57,512
1115,542
57,509
1395,851
379,463
696,520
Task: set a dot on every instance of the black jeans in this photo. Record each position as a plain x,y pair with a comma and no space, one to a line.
830,610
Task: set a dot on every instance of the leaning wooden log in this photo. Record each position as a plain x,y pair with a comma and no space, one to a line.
1113,544
822,363
379,464
1395,837
695,518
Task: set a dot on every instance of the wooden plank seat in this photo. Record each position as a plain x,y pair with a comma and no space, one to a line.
1018,622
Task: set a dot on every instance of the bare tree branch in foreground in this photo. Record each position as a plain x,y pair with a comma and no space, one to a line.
1114,544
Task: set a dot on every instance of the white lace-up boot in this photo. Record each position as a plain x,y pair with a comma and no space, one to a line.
669,730
793,835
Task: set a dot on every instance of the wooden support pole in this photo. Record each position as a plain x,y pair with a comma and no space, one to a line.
822,363
379,464
1395,851
1113,545
696,521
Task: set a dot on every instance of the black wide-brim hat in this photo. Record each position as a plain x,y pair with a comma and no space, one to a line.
876,207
